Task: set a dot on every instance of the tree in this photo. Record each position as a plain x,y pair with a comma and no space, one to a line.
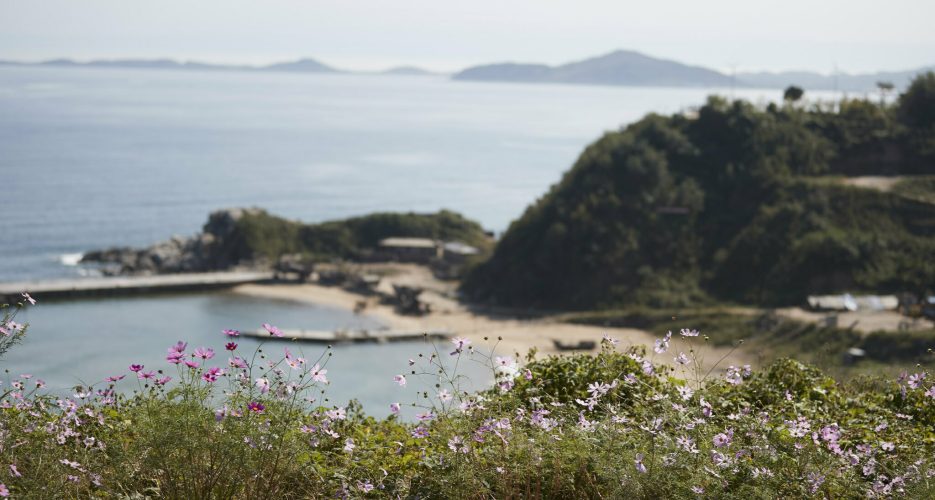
792,93
917,104
885,88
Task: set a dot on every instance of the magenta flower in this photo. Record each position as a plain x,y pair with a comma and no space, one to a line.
237,362
116,378
231,333
931,392
256,407
394,407
146,375
275,332
211,374
263,385
230,346
179,347
136,368
4,492
175,357
400,379
163,381
29,299
192,364
420,432
203,353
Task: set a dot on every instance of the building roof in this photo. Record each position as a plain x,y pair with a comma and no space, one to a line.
396,242
460,248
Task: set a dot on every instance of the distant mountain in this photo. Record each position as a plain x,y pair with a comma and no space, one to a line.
306,65
622,67
842,81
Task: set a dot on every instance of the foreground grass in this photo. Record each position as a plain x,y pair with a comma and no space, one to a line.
611,425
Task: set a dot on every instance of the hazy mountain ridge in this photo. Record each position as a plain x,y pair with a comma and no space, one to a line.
621,67
304,65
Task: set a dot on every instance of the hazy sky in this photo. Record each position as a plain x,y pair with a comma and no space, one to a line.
857,35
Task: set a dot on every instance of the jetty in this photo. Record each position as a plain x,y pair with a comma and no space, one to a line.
123,285
347,336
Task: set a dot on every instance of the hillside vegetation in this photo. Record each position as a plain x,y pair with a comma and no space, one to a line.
257,234
735,203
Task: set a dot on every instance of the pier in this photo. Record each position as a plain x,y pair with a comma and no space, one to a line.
341,336
123,285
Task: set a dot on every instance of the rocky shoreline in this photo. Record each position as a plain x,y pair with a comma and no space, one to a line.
210,250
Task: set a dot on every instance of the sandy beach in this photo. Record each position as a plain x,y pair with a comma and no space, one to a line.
507,334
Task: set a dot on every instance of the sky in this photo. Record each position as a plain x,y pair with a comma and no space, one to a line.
444,35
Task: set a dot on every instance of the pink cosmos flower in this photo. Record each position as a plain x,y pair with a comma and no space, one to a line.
163,381
318,374
275,332
611,340
115,378
256,407
527,374
506,361
460,343
175,357
394,407
203,353
638,461
237,362
682,359
662,345
14,471
931,392
231,333
4,492
688,333
420,432
179,347
724,438
136,368
192,364
263,385
146,375
29,299
230,346
400,379
211,374
349,445
423,417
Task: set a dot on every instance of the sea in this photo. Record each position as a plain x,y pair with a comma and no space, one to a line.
93,158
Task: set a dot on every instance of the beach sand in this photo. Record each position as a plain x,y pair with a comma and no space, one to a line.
507,334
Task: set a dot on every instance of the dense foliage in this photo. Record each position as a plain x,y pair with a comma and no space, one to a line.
735,203
260,235
620,424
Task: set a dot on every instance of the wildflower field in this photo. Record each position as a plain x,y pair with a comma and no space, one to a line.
215,422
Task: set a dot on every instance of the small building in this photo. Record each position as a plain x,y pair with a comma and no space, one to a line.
848,302
456,252
420,250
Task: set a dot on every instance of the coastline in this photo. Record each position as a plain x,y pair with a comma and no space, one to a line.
505,334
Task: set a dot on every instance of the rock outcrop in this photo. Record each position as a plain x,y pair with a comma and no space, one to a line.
208,251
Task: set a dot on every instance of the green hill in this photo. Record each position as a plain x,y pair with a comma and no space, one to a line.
730,203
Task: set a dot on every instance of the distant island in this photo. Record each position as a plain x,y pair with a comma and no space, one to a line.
630,68
304,65
621,67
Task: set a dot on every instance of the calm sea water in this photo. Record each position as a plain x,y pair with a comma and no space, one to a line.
93,158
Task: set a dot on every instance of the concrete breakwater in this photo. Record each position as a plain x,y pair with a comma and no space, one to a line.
110,286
